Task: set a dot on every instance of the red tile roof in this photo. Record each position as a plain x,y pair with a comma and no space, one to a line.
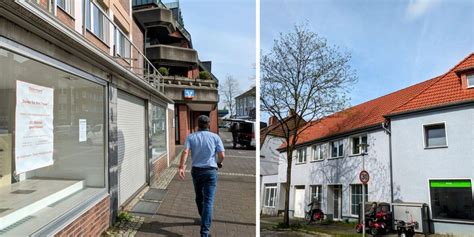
438,91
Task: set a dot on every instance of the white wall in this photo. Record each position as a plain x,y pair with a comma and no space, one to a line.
413,165
345,171
270,175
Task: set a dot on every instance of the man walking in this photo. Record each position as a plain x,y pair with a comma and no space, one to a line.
207,154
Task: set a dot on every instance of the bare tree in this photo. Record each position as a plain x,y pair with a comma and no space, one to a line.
229,90
304,76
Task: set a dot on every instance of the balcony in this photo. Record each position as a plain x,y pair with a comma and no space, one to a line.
155,16
171,55
206,90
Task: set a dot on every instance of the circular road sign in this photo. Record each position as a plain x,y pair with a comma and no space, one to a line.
364,177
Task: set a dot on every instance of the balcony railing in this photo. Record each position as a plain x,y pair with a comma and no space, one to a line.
114,41
184,81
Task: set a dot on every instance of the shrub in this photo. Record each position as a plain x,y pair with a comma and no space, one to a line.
163,71
124,217
204,75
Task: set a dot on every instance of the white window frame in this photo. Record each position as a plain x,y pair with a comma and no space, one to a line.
270,202
425,138
122,49
318,152
68,6
319,189
360,142
350,197
467,80
304,157
340,142
106,22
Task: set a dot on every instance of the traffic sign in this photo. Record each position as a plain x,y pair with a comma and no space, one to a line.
364,177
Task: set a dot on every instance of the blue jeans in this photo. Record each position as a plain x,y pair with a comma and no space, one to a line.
205,183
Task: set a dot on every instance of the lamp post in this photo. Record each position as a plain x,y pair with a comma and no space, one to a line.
364,180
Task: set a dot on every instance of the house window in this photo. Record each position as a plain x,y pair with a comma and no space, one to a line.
97,22
356,198
337,149
356,141
270,195
452,199
67,6
435,135
301,156
315,194
470,80
318,152
122,45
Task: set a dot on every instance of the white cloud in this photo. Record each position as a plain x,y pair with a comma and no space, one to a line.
417,8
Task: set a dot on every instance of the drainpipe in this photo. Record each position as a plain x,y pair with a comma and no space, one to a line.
387,127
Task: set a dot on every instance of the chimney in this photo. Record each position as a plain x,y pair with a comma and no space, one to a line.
272,120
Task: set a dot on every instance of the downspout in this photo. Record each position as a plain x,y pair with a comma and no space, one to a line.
387,127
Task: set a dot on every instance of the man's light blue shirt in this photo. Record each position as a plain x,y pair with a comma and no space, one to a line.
204,145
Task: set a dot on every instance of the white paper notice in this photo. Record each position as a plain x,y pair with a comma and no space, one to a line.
82,130
34,138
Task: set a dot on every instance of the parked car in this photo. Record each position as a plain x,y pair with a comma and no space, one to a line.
245,130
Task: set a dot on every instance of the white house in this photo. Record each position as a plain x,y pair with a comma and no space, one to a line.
421,146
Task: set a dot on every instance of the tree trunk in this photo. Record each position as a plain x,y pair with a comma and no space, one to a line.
286,217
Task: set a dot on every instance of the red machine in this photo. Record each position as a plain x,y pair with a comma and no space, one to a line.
378,220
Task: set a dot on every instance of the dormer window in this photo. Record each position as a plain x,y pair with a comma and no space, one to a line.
470,81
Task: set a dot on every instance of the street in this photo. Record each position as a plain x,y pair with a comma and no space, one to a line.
234,206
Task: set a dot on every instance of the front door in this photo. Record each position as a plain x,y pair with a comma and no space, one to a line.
299,202
337,201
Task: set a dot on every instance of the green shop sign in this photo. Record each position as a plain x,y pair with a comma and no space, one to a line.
450,183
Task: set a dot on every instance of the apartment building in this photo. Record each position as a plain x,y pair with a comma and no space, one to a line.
245,104
84,124
419,150
186,80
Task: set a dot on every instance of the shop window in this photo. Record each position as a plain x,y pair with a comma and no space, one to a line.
356,198
337,149
158,131
270,196
301,156
452,199
356,141
435,135
318,152
48,153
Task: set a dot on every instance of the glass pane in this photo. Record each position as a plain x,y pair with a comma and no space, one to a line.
341,149
355,145
452,203
470,80
158,131
436,136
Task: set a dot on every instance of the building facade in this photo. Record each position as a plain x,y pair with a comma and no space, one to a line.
84,126
245,105
186,80
419,151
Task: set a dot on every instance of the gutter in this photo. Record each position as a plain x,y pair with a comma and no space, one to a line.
336,136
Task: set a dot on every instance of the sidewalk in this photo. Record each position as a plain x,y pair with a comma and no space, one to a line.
176,213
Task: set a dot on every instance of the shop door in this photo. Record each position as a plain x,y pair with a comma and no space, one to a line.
299,202
131,145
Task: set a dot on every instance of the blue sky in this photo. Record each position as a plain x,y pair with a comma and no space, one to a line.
394,44
223,31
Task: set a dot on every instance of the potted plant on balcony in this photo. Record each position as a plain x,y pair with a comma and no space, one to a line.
204,75
163,71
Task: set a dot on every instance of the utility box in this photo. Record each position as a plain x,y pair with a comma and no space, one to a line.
410,212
